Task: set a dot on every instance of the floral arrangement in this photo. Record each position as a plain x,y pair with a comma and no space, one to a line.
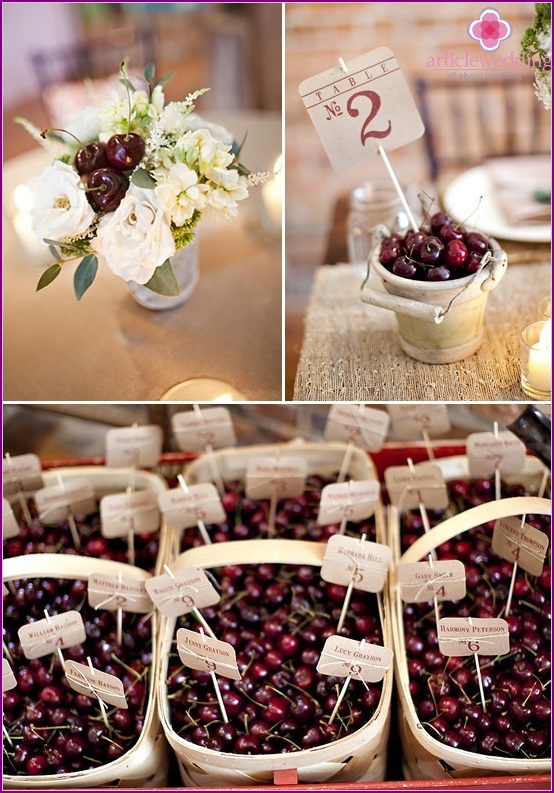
131,193
536,47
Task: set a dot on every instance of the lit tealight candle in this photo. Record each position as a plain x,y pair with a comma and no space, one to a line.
537,359
272,197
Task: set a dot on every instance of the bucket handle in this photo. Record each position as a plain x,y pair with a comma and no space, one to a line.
487,278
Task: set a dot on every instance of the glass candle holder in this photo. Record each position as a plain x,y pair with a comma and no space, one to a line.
536,363
545,307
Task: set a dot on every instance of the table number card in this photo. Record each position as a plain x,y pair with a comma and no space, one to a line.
122,513
342,657
137,447
366,427
348,560
22,472
408,487
207,654
276,477
212,427
348,501
477,636
180,593
56,501
356,111
92,682
420,582
523,545
184,508
409,423
57,632
488,453
111,593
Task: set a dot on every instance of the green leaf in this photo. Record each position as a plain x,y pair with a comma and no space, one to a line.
143,179
165,78
48,276
163,281
149,72
85,275
127,83
68,245
55,253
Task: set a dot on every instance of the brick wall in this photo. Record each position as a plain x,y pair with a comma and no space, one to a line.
316,34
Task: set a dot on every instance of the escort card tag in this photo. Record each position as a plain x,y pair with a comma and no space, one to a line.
184,508
123,513
366,427
22,472
213,427
362,564
55,502
8,677
421,583
407,487
348,501
522,544
462,636
357,111
10,526
111,593
136,447
409,423
348,658
187,590
94,683
282,477
202,652
57,632
487,454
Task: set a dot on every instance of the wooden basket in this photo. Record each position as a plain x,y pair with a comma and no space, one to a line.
145,765
105,481
424,757
360,756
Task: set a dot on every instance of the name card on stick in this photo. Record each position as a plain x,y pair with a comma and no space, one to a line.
358,110
137,447
488,453
366,427
210,427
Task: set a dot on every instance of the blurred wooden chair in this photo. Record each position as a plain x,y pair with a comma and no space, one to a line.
467,122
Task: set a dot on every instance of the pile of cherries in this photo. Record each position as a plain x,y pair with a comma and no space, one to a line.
38,538
277,617
296,518
105,168
50,728
442,251
445,690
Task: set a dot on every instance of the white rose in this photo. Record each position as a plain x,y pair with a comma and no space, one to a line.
60,206
135,239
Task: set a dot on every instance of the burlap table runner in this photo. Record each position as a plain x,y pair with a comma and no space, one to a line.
351,351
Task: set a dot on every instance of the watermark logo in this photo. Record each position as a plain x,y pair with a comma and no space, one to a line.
489,30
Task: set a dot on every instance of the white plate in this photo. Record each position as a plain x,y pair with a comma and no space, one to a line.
460,201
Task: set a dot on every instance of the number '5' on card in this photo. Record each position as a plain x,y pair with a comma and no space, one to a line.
357,111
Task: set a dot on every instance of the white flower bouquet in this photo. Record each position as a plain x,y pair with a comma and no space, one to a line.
131,193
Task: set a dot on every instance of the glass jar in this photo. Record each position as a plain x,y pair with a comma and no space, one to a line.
371,204
184,264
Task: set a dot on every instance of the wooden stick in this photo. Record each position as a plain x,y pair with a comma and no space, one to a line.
340,698
428,445
200,523
397,187
345,462
60,654
513,578
497,484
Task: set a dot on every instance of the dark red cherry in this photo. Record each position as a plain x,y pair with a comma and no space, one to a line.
125,151
449,232
456,254
438,220
91,157
431,250
404,267
477,242
107,188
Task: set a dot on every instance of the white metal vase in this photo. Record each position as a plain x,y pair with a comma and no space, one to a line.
184,264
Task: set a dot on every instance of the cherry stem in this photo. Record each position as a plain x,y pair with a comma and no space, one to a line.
45,132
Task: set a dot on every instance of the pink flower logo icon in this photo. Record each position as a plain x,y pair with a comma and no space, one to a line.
489,30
